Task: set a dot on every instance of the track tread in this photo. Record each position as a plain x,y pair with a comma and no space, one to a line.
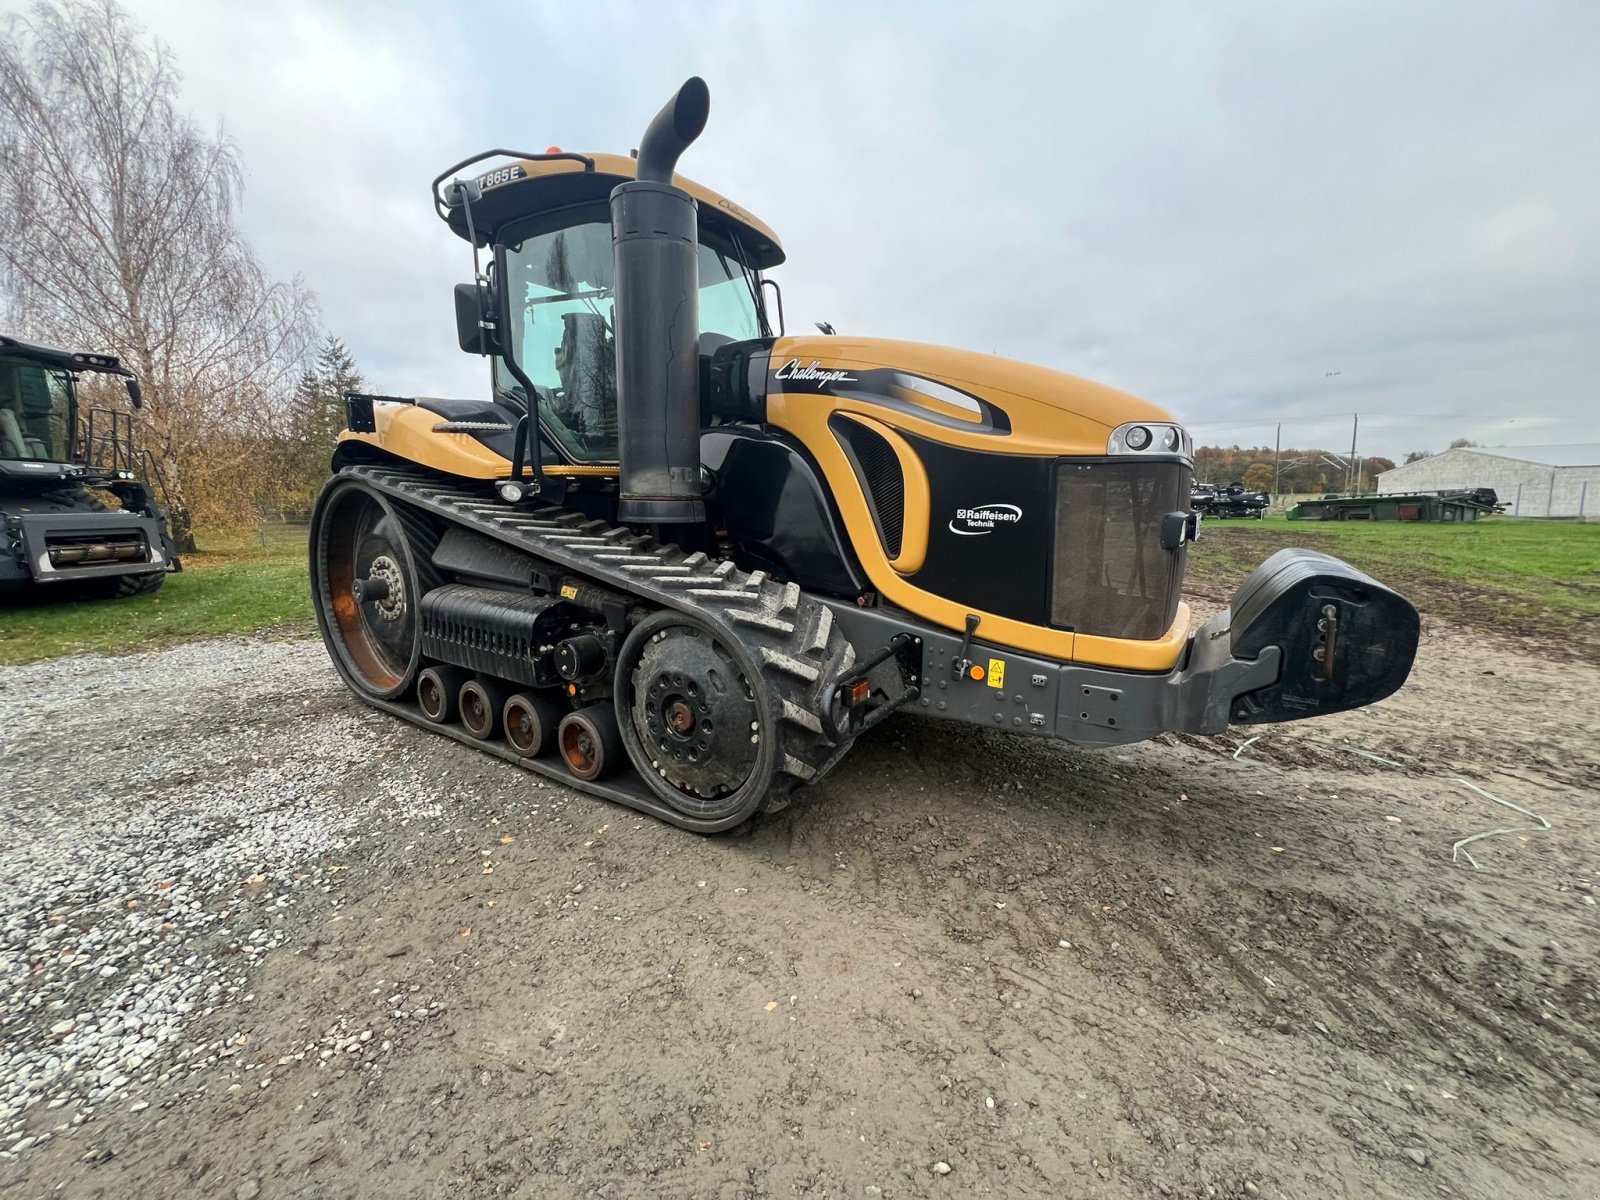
793,638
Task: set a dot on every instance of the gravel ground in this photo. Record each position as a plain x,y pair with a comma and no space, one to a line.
155,831
259,940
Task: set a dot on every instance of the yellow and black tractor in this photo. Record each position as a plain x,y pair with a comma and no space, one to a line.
681,560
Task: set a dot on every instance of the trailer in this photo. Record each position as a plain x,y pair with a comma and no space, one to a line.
1438,507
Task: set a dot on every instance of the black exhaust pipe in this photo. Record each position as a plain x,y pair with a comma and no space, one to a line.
654,245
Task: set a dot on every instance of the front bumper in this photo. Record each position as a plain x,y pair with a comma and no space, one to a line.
35,535
1306,634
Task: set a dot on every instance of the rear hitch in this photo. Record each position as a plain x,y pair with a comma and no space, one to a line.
855,706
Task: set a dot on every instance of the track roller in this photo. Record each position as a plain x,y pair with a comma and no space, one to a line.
482,701
437,689
590,742
530,723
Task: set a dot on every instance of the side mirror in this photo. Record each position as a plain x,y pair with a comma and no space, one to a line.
477,331
135,393
1178,528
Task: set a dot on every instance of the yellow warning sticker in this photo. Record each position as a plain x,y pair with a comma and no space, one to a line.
997,672
569,591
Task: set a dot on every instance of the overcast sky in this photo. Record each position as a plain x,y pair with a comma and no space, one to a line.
1248,212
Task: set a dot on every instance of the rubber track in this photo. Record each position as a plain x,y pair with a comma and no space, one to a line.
794,639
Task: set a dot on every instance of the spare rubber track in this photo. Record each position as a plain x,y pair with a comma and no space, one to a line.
801,651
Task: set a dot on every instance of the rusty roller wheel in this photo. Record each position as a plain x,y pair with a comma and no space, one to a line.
591,744
530,723
370,565
436,693
482,700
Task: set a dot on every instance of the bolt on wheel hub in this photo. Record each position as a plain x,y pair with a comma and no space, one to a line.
392,605
695,713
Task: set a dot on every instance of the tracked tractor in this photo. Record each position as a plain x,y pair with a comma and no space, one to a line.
78,519
680,559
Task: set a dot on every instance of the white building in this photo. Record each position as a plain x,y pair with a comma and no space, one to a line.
1531,481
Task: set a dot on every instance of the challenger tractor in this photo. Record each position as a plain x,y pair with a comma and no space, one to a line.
681,559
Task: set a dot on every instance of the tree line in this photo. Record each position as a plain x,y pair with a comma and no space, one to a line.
119,234
1296,471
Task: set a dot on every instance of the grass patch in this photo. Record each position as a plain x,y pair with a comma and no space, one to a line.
1535,579
239,584
1538,579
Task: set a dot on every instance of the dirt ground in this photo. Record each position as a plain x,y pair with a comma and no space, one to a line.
1168,970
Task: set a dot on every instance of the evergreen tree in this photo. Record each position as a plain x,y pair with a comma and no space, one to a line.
318,416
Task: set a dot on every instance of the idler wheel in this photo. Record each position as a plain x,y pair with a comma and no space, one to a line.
370,564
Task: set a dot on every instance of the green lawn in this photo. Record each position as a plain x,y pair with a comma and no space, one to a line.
1535,578
241,584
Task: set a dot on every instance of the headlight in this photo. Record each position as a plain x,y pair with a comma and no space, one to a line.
1151,439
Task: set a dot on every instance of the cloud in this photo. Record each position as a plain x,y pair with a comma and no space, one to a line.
1213,208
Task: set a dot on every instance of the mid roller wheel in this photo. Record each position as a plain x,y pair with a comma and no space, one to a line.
695,716
437,690
589,742
367,576
530,723
482,701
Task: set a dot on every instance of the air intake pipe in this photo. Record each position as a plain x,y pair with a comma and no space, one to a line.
654,244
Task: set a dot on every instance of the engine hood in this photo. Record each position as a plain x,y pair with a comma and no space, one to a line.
1025,409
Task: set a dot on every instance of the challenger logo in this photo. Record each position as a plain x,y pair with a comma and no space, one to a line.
973,522
812,374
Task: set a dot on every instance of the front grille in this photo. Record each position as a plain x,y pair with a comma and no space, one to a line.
1111,578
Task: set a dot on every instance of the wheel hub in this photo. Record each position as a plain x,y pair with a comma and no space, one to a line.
392,607
679,716
695,713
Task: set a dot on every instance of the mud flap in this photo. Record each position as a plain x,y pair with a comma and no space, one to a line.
1345,639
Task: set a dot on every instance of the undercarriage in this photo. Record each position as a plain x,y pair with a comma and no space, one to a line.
681,686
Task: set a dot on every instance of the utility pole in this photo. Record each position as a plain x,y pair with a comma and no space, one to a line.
1277,457
1352,477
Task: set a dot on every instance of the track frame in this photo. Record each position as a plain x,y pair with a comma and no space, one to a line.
801,652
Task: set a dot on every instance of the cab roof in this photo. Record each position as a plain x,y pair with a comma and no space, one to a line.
540,182
61,360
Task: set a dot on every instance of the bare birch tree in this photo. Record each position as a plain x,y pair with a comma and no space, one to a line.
118,232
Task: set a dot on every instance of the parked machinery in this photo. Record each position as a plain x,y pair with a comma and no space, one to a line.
76,517
1233,500
681,560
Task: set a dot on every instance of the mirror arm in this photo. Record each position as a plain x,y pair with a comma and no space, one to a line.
777,292
528,425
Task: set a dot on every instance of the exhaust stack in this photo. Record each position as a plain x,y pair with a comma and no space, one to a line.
654,244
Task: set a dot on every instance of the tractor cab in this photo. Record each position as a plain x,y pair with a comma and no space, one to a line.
39,405
548,224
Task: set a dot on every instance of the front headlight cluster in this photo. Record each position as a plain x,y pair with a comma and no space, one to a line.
1143,437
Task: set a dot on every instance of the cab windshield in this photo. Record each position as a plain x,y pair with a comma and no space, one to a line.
562,331
35,412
